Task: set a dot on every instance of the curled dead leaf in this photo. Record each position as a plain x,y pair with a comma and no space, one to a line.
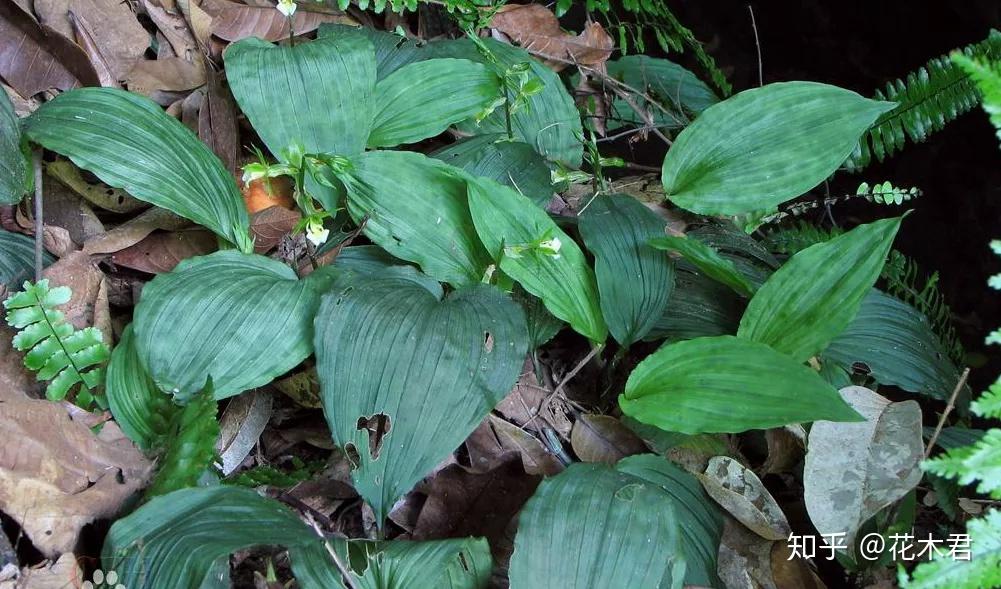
537,30
161,251
232,21
602,438
134,230
268,226
738,490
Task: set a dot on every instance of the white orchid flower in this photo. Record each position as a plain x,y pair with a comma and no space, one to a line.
551,247
286,7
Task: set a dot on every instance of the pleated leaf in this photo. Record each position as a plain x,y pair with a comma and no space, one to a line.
699,306
566,284
241,319
707,260
634,279
143,411
14,177
898,347
673,86
511,163
392,51
764,146
129,142
699,517
592,526
17,259
319,94
423,99
812,298
406,377
694,387
416,210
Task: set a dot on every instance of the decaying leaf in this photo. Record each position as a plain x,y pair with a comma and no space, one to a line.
134,230
537,30
217,123
743,495
495,440
529,406
65,209
240,427
99,194
302,387
853,470
602,438
268,226
232,21
89,303
159,252
14,379
785,450
56,476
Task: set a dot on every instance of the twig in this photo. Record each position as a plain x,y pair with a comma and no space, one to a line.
948,409
349,582
757,44
36,161
559,388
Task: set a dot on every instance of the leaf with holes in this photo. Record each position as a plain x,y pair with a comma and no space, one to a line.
129,142
406,377
241,319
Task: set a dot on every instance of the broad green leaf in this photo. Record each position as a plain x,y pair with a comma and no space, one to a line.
319,93
693,387
853,470
700,520
592,526
898,347
512,163
392,51
565,283
707,260
17,259
406,377
14,173
634,279
672,86
812,298
415,208
129,142
423,99
764,146
241,319
142,410
190,448
699,306
542,326
550,123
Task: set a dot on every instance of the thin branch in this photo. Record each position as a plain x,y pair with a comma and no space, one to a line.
948,409
346,576
36,161
757,44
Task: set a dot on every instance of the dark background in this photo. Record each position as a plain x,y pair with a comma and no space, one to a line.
861,46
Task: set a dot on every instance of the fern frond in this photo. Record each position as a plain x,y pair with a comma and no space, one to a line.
886,193
191,450
987,76
983,570
57,352
796,237
931,97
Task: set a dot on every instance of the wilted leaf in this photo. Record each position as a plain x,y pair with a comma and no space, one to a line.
134,230
538,30
742,494
232,21
602,438
118,37
853,470
161,252
268,226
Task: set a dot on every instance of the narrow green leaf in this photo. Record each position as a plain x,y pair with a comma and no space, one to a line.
592,526
241,319
511,163
415,208
129,142
14,178
17,259
764,146
505,219
693,387
445,91
405,378
191,442
142,411
634,279
707,260
812,298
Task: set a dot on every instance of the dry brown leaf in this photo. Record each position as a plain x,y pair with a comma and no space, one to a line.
494,441
64,573
99,194
602,438
240,427
56,476
23,106
164,75
65,209
217,125
790,572
526,405
785,451
171,25
14,379
744,496
160,252
134,230
35,58
118,38
537,30
232,21
88,305
745,558
267,227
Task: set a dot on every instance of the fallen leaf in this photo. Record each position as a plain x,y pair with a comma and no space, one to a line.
160,251
526,405
602,438
98,193
742,495
745,558
148,77
792,572
86,307
56,476
537,30
14,379
785,451
217,123
119,39
64,572
232,21
495,440
34,58
853,470
134,230
65,209
268,226
240,427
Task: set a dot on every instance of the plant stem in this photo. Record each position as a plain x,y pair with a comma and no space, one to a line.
948,409
36,160
507,114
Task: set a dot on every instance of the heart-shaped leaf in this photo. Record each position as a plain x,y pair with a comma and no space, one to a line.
242,319
143,411
634,279
129,142
13,164
511,228
405,377
764,146
811,299
415,208
592,526
693,386
447,90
